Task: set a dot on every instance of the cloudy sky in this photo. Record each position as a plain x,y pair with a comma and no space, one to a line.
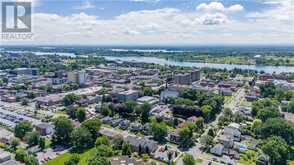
153,22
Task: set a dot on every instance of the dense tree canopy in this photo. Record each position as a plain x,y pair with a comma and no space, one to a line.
32,138
277,127
22,128
277,150
97,160
145,108
81,138
62,130
69,99
81,114
159,131
186,135
93,125
265,109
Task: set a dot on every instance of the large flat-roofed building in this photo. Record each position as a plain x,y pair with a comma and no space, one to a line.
183,79
25,71
127,95
55,99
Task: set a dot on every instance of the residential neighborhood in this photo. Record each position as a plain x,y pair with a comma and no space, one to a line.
138,113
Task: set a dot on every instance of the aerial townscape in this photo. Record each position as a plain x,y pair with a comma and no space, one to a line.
146,82
88,109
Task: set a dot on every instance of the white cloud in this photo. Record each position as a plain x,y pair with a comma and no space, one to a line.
283,12
214,19
213,6
86,5
235,8
219,7
161,26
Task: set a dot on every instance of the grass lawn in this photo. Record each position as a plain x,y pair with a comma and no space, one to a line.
59,160
248,157
64,157
227,98
198,161
47,143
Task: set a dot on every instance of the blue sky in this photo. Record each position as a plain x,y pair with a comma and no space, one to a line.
131,22
107,9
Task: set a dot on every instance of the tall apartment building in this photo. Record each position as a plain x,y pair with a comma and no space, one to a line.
77,77
183,79
187,78
195,75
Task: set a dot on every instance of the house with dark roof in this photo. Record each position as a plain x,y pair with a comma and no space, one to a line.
147,145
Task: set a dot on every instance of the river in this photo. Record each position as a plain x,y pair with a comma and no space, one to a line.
162,61
38,53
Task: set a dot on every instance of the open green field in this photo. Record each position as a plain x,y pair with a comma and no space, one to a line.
64,157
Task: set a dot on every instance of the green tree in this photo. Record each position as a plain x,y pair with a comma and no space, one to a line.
32,138
104,151
117,142
93,125
62,130
71,98
97,160
264,104
159,131
186,136
228,113
199,124
42,143
256,124
81,139
31,160
290,107
126,149
81,114
277,149
182,101
102,140
268,90
188,159
265,114
105,110
277,127
21,154
22,128
130,106
207,110
14,143
74,160
147,91
145,108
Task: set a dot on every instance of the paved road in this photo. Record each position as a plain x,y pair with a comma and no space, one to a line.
232,104
235,101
